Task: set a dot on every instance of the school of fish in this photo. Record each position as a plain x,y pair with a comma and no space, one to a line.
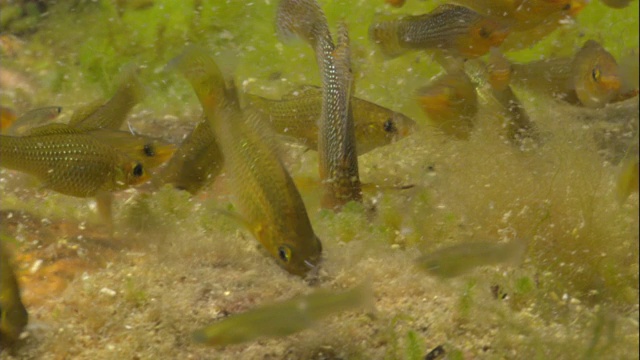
91,156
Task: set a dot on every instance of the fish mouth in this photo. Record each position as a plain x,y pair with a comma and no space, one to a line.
610,82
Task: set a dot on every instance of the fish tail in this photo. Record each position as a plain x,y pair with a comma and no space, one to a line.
131,86
203,74
302,18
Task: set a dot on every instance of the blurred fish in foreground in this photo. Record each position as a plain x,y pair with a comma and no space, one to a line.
455,30
267,200
451,103
461,258
70,162
284,318
13,315
628,179
297,114
337,157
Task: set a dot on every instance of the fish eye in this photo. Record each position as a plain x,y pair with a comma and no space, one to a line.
149,150
138,170
595,73
284,253
389,126
566,7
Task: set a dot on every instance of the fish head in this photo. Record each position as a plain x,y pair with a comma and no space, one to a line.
154,153
299,257
596,76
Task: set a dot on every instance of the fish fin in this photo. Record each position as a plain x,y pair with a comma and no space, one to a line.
50,129
34,118
84,111
104,203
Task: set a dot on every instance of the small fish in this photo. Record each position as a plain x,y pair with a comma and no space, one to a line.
627,179
265,195
283,318
629,66
459,259
33,118
456,30
521,15
451,103
496,93
589,78
297,116
71,163
13,314
196,163
112,114
595,75
337,157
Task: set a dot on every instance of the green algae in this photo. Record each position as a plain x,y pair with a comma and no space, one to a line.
583,253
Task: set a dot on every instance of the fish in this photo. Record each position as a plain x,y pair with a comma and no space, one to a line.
627,182
451,103
629,66
522,15
590,78
296,115
70,162
267,200
112,114
196,163
33,118
150,152
13,315
283,318
455,30
337,157
494,90
456,260
595,75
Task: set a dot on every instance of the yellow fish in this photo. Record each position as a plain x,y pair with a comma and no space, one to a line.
265,195
453,29
451,103
595,75
628,179
196,163
70,161
13,314
283,318
589,78
297,115
337,157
